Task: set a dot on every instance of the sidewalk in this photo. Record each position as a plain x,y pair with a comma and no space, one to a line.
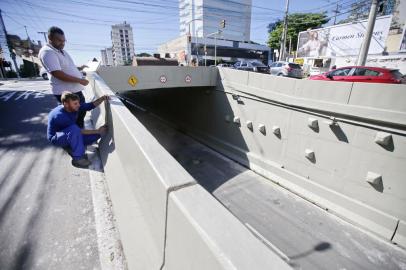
46,209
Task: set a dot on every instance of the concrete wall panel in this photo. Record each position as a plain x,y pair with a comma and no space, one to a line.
147,169
376,95
218,242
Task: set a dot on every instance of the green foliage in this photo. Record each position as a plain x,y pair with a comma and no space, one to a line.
297,22
11,74
143,54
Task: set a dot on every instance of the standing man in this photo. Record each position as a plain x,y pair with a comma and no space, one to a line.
65,76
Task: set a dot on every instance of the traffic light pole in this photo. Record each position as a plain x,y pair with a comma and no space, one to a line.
363,53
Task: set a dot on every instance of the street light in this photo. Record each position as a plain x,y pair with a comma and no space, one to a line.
222,25
190,39
215,44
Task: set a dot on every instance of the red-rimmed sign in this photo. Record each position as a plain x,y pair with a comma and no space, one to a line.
188,79
163,79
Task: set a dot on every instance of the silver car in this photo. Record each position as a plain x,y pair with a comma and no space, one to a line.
286,69
255,66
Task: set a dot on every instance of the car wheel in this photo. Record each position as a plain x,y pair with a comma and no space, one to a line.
45,76
280,74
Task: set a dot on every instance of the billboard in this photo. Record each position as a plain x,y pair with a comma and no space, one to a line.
402,46
343,39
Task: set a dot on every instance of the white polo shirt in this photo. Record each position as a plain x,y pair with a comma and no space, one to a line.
53,59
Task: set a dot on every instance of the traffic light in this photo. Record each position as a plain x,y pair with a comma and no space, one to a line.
223,24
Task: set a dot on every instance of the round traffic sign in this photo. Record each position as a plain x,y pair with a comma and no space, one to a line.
163,79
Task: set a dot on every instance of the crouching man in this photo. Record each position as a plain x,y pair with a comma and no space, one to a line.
64,132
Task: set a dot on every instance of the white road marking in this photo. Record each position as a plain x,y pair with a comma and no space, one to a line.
7,96
24,95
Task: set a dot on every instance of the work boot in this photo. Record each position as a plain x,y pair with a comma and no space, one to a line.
81,163
69,151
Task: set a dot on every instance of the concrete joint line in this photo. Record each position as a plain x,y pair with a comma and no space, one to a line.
166,215
394,231
349,95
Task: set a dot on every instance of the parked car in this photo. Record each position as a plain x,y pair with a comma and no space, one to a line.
224,65
43,73
255,66
287,69
361,74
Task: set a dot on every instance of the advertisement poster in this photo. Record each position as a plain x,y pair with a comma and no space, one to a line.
343,39
402,46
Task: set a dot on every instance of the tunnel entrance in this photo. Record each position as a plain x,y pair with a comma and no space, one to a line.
304,235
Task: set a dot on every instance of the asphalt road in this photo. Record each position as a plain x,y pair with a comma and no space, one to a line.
46,209
303,234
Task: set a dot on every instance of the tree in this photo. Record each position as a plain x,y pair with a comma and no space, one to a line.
297,22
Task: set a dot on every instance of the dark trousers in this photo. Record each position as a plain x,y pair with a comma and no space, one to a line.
72,137
81,114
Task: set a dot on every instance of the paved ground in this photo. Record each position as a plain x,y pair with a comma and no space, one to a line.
306,236
47,218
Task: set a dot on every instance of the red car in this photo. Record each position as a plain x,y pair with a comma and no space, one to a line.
361,74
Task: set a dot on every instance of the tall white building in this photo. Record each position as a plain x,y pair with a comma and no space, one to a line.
123,43
107,57
204,17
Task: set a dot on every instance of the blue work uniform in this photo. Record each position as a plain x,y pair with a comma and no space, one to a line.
63,130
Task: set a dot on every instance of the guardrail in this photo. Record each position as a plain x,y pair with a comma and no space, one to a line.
165,219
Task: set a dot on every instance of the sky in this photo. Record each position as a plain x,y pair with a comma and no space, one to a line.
87,24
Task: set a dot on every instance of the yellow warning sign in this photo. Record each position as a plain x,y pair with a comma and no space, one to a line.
132,80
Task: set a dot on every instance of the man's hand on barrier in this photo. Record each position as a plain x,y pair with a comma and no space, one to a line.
84,82
102,130
98,101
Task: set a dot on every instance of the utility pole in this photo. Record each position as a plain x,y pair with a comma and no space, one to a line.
12,54
30,51
284,33
336,12
45,36
363,53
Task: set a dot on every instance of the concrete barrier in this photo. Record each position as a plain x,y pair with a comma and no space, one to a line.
160,211
202,235
333,147
369,101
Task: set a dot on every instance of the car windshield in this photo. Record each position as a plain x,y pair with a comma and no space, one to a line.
293,65
257,64
340,72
